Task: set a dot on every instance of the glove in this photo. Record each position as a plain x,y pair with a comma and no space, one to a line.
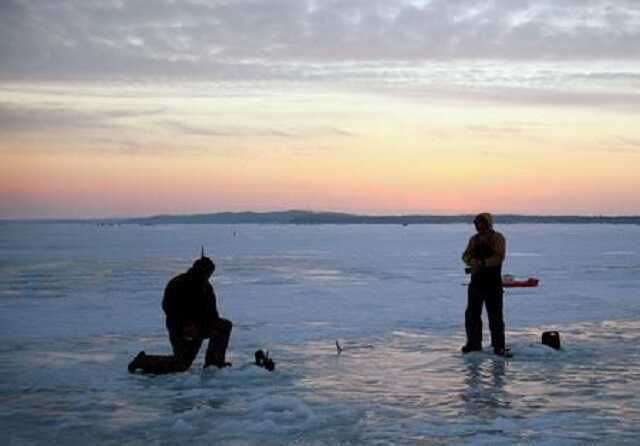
475,266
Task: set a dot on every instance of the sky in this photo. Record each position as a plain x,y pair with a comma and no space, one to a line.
116,108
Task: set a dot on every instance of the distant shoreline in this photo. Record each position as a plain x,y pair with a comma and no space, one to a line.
295,217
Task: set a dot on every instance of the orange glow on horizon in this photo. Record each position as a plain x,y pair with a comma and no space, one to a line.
343,152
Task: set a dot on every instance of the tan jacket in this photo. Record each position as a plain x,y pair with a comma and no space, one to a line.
498,246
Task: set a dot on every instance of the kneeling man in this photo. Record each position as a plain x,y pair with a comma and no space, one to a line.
191,317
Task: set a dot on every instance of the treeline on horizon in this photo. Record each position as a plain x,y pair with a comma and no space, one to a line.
310,218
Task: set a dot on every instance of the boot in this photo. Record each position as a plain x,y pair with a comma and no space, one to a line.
157,364
470,348
137,362
504,352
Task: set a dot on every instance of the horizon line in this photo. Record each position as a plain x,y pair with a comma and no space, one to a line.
133,219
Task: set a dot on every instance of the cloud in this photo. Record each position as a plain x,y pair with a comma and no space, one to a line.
241,39
127,130
495,131
630,143
251,132
25,119
20,118
113,130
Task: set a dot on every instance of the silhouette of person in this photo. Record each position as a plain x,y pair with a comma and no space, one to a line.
483,256
189,304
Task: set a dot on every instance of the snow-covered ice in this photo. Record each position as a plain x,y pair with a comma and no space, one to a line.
77,302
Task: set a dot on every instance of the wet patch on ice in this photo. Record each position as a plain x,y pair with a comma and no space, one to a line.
619,253
523,254
420,381
65,357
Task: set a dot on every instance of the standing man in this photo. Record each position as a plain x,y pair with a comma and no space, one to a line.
191,316
484,256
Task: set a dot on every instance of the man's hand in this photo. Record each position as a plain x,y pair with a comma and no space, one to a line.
190,331
475,265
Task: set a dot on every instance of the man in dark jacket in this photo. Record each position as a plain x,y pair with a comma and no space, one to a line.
484,256
191,316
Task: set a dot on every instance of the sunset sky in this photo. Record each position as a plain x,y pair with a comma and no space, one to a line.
139,107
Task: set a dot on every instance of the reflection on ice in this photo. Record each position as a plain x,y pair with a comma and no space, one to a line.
419,378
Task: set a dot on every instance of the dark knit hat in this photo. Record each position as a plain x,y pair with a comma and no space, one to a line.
204,265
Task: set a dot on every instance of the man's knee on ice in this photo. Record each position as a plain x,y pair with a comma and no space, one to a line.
182,366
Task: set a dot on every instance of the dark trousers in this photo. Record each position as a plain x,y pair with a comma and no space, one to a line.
492,297
185,350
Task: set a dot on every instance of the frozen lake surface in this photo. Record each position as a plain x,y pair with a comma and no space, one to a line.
77,302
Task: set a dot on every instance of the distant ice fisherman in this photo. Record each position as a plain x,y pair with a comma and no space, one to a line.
191,317
484,256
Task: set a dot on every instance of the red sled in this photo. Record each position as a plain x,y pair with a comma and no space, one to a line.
510,282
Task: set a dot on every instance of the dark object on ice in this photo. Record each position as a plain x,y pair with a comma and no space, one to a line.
191,317
552,339
263,360
339,347
470,348
483,258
